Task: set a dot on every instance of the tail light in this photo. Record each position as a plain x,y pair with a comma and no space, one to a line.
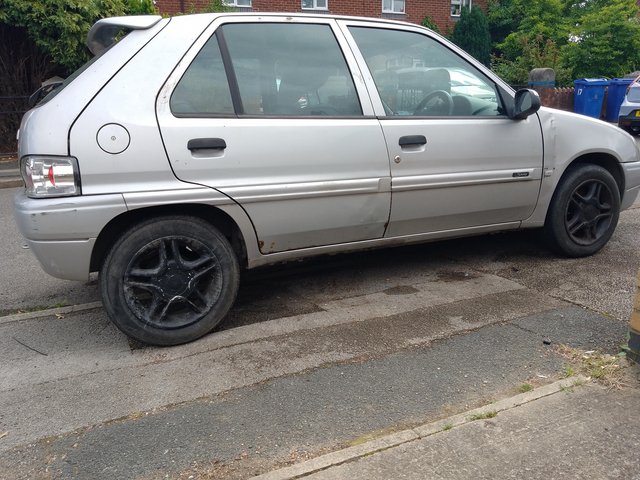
48,176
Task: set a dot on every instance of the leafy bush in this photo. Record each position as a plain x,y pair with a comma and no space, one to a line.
39,39
577,38
536,53
429,23
471,33
140,7
605,41
22,67
59,27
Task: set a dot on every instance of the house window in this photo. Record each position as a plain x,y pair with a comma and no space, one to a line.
237,3
314,4
458,5
393,6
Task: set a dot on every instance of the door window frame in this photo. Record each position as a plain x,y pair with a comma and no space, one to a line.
504,91
352,64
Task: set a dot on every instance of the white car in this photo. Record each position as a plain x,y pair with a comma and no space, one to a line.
629,115
197,146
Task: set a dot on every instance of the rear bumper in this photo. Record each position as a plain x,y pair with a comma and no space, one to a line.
629,121
61,232
69,260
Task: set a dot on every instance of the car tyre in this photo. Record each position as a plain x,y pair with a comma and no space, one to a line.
631,130
584,211
169,280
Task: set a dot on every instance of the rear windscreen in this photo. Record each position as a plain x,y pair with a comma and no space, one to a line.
634,94
67,81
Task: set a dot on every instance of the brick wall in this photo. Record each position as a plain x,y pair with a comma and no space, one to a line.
415,10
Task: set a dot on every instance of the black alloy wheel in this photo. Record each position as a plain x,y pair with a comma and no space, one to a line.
172,282
169,280
589,212
584,211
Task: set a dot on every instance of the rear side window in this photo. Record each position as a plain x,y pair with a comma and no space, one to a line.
290,69
279,69
203,89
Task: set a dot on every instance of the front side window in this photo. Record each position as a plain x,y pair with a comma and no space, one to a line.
393,6
237,3
458,5
314,5
417,76
290,69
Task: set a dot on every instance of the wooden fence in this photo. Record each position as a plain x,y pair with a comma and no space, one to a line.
561,97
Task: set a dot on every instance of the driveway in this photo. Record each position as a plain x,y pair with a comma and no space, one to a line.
315,356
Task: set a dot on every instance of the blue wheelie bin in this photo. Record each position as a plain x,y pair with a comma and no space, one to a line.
588,96
615,97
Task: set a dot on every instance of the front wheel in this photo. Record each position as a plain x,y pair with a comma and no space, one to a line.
169,280
635,131
584,211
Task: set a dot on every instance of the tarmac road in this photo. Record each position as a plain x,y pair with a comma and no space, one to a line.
315,356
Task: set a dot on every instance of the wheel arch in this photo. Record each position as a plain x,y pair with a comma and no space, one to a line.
212,215
604,160
581,227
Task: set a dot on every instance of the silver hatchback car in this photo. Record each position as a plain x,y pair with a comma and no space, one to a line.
196,146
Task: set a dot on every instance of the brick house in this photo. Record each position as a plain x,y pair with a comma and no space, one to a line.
443,12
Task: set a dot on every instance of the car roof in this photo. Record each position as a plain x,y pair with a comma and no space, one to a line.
104,32
305,15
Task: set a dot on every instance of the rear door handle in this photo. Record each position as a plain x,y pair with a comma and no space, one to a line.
206,144
410,140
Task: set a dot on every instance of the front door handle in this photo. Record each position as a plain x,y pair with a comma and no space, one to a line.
410,140
206,144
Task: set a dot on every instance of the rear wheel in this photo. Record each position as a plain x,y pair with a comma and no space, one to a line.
584,211
169,280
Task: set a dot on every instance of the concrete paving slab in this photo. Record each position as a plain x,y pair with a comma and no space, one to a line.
588,432
584,332
43,350
58,312
353,454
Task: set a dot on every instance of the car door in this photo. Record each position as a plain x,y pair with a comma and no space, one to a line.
274,113
457,161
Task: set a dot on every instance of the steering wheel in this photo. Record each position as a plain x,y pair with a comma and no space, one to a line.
436,103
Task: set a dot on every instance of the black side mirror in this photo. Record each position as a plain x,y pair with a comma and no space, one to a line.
526,102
